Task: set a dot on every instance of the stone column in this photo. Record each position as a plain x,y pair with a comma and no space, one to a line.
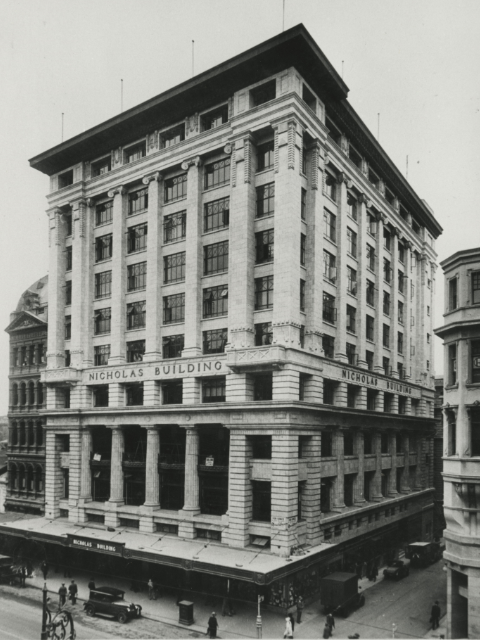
311,502
407,332
377,478
358,488
362,275
194,259
239,491
191,505
378,299
119,275
153,348
284,490
342,244
116,470
405,483
242,242
338,492
420,331
394,306
80,307
56,290
420,467
392,489
152,479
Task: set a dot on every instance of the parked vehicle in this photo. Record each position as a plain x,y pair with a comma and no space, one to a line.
423,554
339,593
397,569
110,601
9,573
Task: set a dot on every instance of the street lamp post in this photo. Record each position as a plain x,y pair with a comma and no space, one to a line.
259,618
44,634
394,628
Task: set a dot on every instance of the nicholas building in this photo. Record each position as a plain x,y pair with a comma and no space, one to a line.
247,322
461,463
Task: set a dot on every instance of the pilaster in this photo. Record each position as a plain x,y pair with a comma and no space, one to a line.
339,486
377,478
119,271
311,503
362,277
191,505
284,490
153,348
342,245
358,488
378,328
239,491
56,290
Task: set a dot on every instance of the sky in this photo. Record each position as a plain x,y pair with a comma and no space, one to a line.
416,62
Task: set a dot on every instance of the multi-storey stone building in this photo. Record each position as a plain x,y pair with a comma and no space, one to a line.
439,520
26,442
461,463
252,377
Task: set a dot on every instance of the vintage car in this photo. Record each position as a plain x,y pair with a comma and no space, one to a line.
423,554
339,593
9,573
110,601
397,569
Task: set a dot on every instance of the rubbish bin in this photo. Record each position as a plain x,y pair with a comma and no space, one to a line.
185,612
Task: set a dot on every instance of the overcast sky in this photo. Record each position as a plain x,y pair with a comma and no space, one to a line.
416,62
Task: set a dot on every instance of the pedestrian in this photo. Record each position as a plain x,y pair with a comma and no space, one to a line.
288,633
212,625
292,620
44,569
23,575
151,591
326,631
435,615
62,595
72,592
330,620
300,607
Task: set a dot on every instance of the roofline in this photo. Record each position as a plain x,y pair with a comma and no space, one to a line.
465,255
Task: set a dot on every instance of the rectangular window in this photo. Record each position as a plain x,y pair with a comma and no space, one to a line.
351,318
174,268
400,342
265,200
386,365
135,153
215,258
387,239
386,336
172,136
217,173
264,93
351,281
386,303
68,252
351,351
264,293
172,392
134,394
214,118
172,346
174,308
303,204
137,276
263,334
262,386
329,266
215,301
387,270
351,242
428,338
174,227
329,311
369,359
214,341
330,222
265,156
401,280
136,315
65,179
370,293
328,346
101,355
69,225
68,292
216,215
352,207
372,224
452,294
68,327
101,167
104,213
475,356
100,396
137,201
412,291
452,364
400,312
102,321
475,287
103,285
103,247
371,406
261,501
264,244
137,238
401,252
401,375
135,350
370,328
303,244
213,389
370,257
330,186
328,392
302,295
428,310
175,188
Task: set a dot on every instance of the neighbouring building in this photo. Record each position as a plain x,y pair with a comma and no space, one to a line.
461,464
25,490
439,521
240,368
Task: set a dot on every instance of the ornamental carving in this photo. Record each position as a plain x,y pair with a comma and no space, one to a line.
247,160
191,162
153,177
292,132
314,165
233,167
117,191
276,163
227,148
56,235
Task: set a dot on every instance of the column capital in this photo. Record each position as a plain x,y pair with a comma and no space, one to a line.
192,162
120,190
157,176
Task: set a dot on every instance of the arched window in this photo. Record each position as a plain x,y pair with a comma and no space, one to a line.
13,477
23,438
14,434
31,434
40,393
38,479
31,393
30,478
21,477
23,393
15,394
39,434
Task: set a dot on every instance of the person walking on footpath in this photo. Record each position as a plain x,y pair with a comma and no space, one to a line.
212,625
62,595
300,607
435,615
330,620
288,633
292,620
72,591
327,632
151,591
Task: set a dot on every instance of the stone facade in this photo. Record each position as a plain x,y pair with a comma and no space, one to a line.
225,378
25,489
461,436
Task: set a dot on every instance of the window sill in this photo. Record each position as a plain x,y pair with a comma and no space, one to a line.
223,315
131,253
330,324
261,264
208,233
371,270
329,198
352,295
265,170
350,255
103,298
136,213
212,275
332,282
170,242
135,290
469,385
268,215
452,386
134,329
170,284
351,218
330,240
103,261
167,202
351,333
263,309
216,186
103,224
174,323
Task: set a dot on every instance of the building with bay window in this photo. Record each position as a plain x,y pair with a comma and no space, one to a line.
252,280
461,436
25,491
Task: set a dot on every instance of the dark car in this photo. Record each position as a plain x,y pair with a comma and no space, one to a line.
9,573
423,554
398,569
110,601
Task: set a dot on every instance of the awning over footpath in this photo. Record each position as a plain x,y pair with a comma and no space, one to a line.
250,565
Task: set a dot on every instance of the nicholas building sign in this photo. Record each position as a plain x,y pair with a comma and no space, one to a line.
157,372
